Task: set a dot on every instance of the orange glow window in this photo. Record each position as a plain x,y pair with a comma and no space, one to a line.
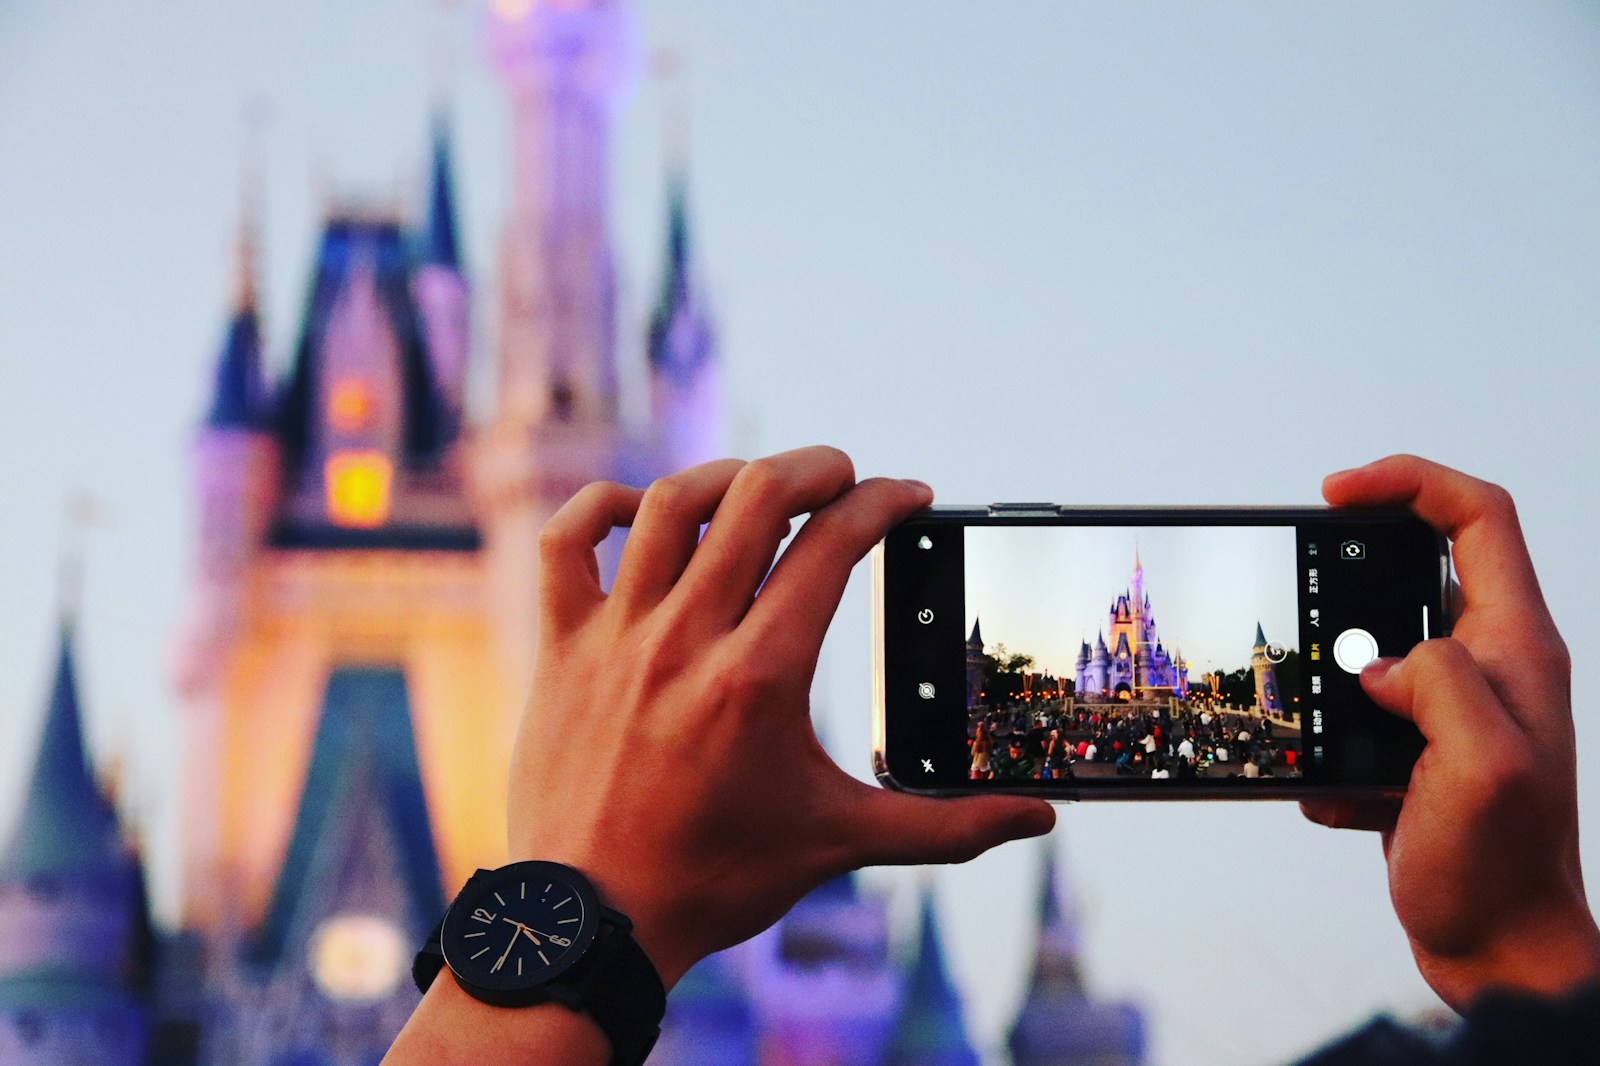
358,485
349,405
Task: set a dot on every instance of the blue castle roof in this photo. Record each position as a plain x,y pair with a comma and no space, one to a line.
363,762
439,243
68,826
929,1031
347,244
668,347
239,396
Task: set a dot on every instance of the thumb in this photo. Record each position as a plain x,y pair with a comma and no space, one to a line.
897,829
1440,687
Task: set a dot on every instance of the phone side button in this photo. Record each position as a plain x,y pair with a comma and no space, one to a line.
1036,508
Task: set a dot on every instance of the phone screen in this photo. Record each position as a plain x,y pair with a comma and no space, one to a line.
1130,654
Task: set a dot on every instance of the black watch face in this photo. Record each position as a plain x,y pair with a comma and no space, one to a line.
520,926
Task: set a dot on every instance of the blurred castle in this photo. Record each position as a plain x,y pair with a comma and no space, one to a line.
359,648
1136,664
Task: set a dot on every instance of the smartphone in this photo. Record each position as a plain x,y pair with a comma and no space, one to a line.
1140,653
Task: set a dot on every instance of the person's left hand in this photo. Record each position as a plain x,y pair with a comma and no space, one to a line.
668,751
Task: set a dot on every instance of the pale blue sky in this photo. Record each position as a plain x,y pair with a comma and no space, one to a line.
1125,253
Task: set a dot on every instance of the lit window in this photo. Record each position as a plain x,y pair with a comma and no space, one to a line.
349,405
358,488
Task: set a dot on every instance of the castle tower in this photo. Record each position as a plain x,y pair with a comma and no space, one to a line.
929,1030
74,933
1136,592
338,535
1268,701
824,988
567,66
1059,1025
439,284
1098,675
328,975
686,402
975,664
235,465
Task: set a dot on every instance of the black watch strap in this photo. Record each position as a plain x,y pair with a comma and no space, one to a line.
427,963
621,990
618,987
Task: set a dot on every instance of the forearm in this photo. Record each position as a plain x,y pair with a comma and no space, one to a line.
450,1028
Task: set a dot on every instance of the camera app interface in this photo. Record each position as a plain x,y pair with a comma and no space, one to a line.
1121,652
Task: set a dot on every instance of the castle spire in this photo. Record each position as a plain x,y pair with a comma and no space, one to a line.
1058,1021
929,1031
67,823
244,278
1261,638
680,334
977,633
239,398
441,246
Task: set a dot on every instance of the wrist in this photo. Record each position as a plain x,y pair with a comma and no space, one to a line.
450,1028
1549,956
638,899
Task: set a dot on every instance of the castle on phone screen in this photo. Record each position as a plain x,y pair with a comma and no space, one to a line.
1128,659
1128,707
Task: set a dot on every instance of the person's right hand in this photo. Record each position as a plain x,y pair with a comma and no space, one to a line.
1483,850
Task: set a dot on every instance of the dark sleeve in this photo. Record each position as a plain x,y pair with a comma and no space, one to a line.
1381,1042
1501,1028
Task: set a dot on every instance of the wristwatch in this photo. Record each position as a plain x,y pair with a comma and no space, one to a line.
536,932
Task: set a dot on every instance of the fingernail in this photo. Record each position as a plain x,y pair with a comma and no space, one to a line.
923,485
1378,669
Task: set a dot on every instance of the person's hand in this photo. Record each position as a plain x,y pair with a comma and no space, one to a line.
668,751
1483,850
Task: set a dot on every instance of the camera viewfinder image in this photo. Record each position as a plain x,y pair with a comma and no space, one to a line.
1162,652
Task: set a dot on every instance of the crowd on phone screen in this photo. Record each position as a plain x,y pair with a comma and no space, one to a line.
1019,744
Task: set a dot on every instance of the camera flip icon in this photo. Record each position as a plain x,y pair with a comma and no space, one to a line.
1352,549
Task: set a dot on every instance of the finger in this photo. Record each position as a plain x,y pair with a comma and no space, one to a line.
1439,687
569,575
798,601
1481,519
898,829
1377,815
738,547
667,528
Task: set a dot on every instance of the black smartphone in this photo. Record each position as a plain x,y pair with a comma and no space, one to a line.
1141,653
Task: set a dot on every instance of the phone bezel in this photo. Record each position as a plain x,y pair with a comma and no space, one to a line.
1062,514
